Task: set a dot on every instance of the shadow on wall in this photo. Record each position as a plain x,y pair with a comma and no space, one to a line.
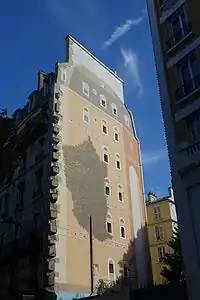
85,178
131,259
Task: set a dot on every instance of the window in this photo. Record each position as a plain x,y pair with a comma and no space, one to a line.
86,115
157,212
122,228
120,192
193,127
94,92
126,119
96,269
86,89
63,75
114,109
109,226
116,134
38,184
20,195
111,270
107,188
103,101
105,155
104,126
126,271
179,28
161,253
187,73
159,234
118,162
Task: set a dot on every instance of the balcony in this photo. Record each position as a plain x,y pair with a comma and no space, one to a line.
178,36
188,88
189,157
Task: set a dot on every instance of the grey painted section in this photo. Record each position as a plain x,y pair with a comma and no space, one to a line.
85,178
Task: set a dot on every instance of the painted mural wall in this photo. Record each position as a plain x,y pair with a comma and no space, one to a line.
89,95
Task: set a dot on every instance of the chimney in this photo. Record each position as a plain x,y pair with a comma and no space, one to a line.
171,193
41,77
151,197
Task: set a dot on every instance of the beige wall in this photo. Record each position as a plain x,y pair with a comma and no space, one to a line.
76,131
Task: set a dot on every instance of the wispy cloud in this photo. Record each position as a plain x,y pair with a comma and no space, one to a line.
121,30
131,64
153,157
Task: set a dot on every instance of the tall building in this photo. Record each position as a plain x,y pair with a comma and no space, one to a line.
176,39
161,220
74,186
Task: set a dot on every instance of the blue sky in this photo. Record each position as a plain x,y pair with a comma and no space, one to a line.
117,32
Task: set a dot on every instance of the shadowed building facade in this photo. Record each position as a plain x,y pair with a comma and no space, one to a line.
176,39
92,173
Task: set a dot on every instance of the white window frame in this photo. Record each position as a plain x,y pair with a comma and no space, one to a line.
115,131
105,151
162,252
114,107
110,221
117,158
122,225
111,261
160,229
127,120
63,75
104,124
157,212
103,98
86,112
107,184
86,89
94,91
120,190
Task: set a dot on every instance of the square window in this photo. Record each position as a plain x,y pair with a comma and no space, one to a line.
109,227
86,118
105,129
111,268
86,89
120,196
122,229
118,165
105,157
103,103
107,190
116,137
157,212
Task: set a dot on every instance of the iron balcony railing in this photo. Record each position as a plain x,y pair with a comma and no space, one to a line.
188,87
178,35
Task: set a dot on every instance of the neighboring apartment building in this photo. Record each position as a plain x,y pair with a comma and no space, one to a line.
161,220
175,27
77,187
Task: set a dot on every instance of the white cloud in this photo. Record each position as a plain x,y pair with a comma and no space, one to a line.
121,30
131,64
153,157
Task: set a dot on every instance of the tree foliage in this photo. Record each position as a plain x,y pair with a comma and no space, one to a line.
173,271
105,286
